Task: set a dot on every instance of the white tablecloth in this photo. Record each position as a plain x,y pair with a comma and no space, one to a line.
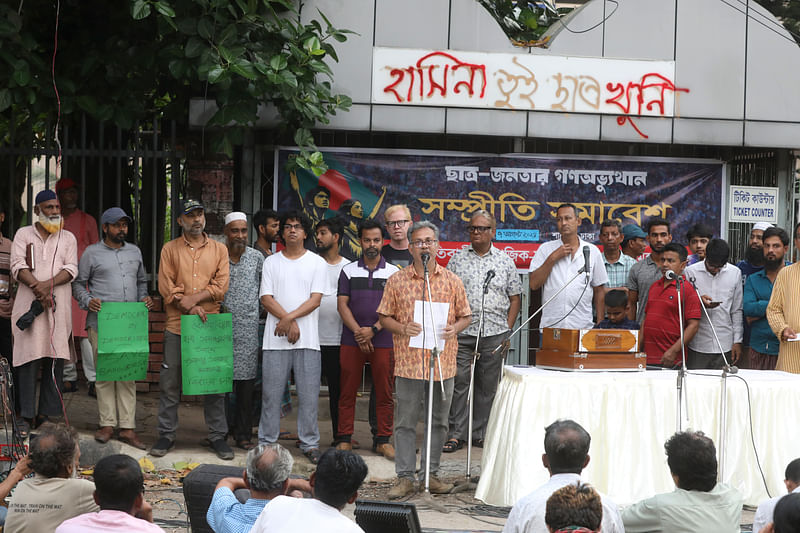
630,416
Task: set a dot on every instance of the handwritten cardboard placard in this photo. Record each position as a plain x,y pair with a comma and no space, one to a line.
207,354
123,344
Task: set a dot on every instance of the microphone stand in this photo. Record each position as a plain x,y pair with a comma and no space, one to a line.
726,369
468,484
682,370
434,357
506,343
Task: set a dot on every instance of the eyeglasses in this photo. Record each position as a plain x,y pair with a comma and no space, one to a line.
396,223
293,226
478,229
424,244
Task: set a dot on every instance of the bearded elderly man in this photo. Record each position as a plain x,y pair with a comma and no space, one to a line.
242,301
44,260
403,294
192,278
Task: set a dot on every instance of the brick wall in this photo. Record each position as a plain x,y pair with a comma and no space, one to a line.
158,320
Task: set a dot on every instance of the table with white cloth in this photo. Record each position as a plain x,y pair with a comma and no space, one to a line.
629,416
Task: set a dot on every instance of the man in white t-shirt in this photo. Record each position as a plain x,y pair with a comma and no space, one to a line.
334,484
292,285
556,263
328,235
766,508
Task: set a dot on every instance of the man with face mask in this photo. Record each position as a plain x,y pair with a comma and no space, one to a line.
84,227
242,301
192,278
112,270
43,261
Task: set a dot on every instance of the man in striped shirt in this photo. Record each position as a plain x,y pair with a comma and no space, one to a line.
783,314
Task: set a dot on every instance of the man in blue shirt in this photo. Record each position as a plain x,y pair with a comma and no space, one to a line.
764,344
266,476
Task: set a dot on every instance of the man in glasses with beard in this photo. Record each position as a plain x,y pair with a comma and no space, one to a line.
43,261
112,270
192,278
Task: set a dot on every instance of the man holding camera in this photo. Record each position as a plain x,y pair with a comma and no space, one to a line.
44,262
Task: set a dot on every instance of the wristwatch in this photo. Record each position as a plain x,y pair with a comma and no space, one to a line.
375,330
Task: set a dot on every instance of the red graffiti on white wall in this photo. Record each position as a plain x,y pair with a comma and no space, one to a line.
631,98
450,70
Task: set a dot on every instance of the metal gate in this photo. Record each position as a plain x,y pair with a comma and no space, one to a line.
138,169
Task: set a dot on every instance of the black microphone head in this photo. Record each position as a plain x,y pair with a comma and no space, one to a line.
490,275
586,253
425,258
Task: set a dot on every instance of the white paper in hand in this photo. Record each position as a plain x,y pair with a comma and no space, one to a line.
440,311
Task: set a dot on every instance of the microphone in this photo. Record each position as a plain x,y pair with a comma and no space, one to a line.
586,261
670,274
489,276
425,258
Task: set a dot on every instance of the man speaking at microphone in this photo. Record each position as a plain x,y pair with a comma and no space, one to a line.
556,263
490,278
661,329
397,314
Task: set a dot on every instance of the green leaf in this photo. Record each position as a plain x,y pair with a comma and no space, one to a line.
215,74
339,36
5,99
243,68
319,66
225,53
303,137
22,74
312,44
164,8
187,26
278,62
228,33
289,79
194,47
316,159
141,9
205,27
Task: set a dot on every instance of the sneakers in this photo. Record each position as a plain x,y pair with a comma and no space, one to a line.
313,455
222,449
386,450
404,487
436,486
161,447
346,446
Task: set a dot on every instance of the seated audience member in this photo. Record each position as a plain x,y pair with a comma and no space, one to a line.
787,516
39,504
574,508
21,469
335,483
765,509
119,491
266,476
617,312
698,503
566,446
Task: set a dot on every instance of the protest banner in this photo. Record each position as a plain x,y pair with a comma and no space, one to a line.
123,345
207,354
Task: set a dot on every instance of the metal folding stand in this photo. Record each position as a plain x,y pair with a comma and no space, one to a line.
727,368
434,357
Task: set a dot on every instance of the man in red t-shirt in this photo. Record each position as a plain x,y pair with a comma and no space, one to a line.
661,329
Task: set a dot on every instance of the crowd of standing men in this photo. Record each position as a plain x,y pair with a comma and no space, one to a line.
304,315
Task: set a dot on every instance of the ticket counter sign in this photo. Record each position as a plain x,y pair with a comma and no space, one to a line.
753,204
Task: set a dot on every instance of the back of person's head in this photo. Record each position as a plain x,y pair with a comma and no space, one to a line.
793,471
678,248
692,457
616,298
699,230
338,476
118,482
566,444
717,252
576,505
268,466
53,453
786,517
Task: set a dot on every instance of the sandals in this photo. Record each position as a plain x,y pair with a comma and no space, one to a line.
245,444
452,445
24,428
287,435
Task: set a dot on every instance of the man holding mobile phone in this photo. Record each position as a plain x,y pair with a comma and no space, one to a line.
720,286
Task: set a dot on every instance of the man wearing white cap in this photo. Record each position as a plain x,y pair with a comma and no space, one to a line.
243,303
112,270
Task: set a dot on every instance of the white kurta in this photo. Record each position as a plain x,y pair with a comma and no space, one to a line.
51,329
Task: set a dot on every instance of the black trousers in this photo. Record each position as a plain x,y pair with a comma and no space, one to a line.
331,370
243,389
49,395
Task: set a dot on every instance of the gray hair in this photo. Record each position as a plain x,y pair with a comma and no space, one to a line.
271,476
485,214
422,224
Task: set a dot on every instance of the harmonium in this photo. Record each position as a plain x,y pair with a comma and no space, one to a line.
590,350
